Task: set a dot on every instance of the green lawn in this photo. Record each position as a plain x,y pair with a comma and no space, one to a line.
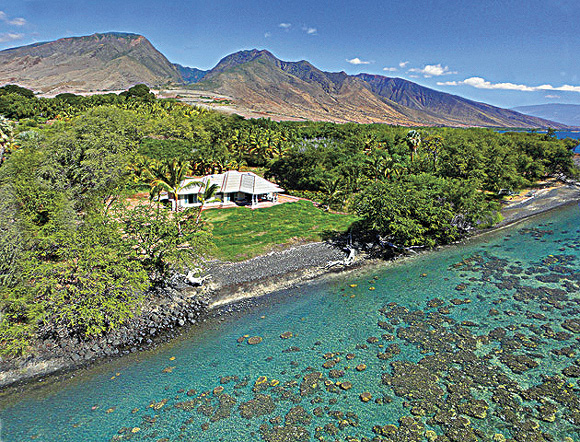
241,233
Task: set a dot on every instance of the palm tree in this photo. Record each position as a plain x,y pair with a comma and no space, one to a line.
394,169
265,144
280,148
433,144
333,189
377,164
169,176
207,195
6,137
413,140
139,169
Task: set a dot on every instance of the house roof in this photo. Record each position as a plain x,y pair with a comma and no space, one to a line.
232,181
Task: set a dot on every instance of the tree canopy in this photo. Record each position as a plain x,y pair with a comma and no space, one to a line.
76,252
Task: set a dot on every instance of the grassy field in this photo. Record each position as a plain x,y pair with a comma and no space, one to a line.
241,233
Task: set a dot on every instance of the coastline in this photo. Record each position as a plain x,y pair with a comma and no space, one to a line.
542,201
176,305
227,291
233,282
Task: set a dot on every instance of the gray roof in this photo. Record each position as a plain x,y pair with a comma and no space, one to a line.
233,181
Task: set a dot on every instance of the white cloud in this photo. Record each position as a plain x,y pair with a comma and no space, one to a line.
390,69
309,30
566,88
267,34
552,96
357,60
481,83
10,36
433,70
18,21
403,64
285,25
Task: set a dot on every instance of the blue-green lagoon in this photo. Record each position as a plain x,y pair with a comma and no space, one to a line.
472,342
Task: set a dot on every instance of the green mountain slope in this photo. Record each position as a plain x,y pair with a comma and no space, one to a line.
190,75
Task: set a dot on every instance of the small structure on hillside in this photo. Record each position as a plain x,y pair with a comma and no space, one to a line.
241,188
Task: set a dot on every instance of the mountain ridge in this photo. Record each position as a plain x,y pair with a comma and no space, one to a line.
307,90
101,61
257,79
254,79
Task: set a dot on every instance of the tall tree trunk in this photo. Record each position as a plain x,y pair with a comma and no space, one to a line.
198,217
175,202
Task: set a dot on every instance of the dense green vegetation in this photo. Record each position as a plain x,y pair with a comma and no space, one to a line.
244,233
419,187
75,256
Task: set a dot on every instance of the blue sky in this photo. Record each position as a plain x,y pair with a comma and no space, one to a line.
506,53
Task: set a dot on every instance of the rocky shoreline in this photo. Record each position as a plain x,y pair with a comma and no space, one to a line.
167,309
232,282
172,307
539,201
176,305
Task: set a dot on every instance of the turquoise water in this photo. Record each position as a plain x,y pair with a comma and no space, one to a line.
560,134
484,334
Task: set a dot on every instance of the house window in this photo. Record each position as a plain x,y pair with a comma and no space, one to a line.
191,198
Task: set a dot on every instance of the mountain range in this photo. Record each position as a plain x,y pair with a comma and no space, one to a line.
254,80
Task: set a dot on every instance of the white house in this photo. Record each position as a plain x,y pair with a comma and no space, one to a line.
233,188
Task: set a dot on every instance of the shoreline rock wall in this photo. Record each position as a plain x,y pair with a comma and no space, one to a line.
171,307
166,310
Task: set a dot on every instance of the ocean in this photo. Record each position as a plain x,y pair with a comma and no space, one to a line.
471,341
561,134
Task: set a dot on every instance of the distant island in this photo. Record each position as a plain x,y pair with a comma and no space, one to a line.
568,114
